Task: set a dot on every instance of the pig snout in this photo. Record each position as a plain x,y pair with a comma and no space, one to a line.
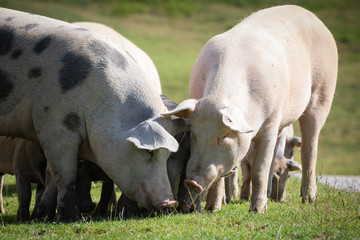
167,204
189,194
157,200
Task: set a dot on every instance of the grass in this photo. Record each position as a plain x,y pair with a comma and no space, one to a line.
172,33
336,215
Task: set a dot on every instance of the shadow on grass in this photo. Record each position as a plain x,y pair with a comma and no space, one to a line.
9,190
6,219
90,217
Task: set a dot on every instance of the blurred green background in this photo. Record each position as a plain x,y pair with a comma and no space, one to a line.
172,32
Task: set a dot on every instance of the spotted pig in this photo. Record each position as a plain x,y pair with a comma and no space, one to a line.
80,96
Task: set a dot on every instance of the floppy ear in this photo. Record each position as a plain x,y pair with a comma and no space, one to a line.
293,165
234,119
296,141
183,110
151,135
170,105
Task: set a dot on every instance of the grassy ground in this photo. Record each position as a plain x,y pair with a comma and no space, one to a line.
172,33
336,215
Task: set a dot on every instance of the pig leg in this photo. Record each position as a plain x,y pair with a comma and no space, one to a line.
234,179
272,166
1,195
261,167
39,192
61,150
311,122
231,185
216,195
83,189
310,126
47,205
228,188
107,193
23,187
308,159
246,180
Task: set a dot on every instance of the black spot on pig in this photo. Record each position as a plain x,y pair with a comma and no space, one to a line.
7,36
30,26
97,48
42,44
71,121
6,86
46,109
81,29
102,65
34,72
16,54
118,59
8,19
108,54
74,71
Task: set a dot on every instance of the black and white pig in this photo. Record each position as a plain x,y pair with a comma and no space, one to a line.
78,94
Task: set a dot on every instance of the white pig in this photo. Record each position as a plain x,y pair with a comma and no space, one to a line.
277,66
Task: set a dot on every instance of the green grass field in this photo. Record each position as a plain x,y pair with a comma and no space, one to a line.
336,215
172,33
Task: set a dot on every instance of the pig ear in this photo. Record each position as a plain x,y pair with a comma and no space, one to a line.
296,141
234,119
293,165
183,110
151,135
170,105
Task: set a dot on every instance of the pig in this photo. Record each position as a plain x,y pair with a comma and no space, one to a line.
80,96
284,165
277,66
283,161
15,154
26,160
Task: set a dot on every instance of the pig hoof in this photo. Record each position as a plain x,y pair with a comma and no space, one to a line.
259,206
23,217
43,213
167,204
69,214
310,195
193,186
